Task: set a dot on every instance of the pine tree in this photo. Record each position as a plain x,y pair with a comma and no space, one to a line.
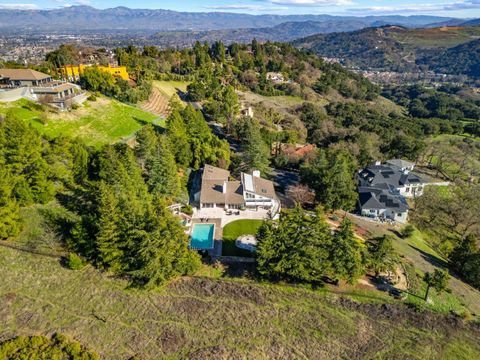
295,249
380,254
163,253
9,210
21,148
109,238
332,175
163,174
345,255
178,137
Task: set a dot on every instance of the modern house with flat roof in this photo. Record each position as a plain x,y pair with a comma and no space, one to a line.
251,192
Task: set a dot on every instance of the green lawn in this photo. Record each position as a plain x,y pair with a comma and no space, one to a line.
235,229
169,88
104,121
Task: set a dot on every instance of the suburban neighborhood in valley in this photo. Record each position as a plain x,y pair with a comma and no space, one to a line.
246,181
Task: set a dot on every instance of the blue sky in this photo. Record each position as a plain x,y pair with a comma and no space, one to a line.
454,8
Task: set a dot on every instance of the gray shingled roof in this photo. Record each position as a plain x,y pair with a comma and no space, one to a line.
379,174
378,198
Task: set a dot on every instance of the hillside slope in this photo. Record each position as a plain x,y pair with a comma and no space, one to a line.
462,59
201,318
395,48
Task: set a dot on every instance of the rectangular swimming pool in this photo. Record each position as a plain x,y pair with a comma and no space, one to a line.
202,237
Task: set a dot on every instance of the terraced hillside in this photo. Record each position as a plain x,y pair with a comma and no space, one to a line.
157,103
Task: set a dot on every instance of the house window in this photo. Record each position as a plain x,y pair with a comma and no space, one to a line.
407,190
250,196
208,205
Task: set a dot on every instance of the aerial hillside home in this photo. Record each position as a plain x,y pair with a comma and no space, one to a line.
33,85
23,77
383,189
399,176
251,192
382,202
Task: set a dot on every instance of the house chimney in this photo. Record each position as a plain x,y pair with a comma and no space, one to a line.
378,162
224,187
256,173
406,171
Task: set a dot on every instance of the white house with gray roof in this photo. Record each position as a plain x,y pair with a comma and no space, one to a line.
383,189
399,176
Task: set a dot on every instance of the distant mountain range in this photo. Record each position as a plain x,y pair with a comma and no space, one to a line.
86,18
450,50
283,32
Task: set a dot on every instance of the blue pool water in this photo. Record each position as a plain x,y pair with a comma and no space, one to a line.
202,237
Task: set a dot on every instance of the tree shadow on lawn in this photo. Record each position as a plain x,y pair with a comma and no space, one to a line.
431,259
158,128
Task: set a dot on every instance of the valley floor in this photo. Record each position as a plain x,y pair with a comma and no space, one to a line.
204,318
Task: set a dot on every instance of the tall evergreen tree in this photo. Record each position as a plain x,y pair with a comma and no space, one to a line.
178,136
9,209
163,253
332,175
380,254
21,148
109,243
346,255
295,249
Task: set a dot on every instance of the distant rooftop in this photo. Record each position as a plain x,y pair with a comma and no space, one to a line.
23,74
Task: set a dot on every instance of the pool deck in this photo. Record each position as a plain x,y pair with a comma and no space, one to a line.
220,214
217,236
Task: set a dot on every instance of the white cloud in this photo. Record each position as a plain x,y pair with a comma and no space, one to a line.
244,8
312,2
423,8
19,6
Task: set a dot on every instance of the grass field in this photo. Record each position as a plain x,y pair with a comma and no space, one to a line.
169,88
235,229
203,318
416,252
104,121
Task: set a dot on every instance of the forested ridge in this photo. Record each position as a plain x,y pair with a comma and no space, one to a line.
446,50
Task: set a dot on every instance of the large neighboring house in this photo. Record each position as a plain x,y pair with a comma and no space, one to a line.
74,72
383,189
251,192
399,176
23,77
33,85
382,202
